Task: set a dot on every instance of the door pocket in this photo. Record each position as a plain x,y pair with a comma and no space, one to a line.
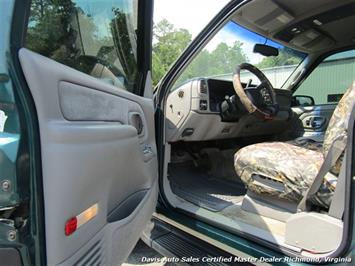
127,206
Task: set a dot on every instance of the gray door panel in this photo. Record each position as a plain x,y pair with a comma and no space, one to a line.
312,120
92,154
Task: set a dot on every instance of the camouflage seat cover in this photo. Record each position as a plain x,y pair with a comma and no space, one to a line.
291,166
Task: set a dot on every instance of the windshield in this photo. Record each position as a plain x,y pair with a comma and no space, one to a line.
234,45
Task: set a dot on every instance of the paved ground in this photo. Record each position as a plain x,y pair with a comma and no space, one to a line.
141,253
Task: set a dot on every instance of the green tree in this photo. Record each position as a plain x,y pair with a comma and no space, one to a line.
57,29
168,44
125,50
225,58
49,24
199,67
222,60
63,31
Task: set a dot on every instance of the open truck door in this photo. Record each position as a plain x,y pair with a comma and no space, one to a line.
79,73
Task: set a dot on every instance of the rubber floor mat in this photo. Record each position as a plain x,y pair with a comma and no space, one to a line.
201,189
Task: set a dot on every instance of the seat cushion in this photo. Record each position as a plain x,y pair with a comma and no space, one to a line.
279,169
308,143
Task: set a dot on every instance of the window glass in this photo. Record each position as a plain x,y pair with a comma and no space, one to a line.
97,37
330,79
10,131
234,45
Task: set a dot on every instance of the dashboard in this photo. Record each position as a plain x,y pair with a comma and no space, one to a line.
194,112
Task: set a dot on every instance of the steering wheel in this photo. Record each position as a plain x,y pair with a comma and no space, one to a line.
267,108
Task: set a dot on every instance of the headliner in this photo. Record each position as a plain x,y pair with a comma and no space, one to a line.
309,26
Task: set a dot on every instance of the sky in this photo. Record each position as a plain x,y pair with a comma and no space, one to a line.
192,15
232,32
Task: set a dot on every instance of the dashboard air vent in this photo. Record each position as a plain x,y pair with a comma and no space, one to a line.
203,87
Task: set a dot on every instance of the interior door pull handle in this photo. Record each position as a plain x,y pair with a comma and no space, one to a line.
136,121
314,122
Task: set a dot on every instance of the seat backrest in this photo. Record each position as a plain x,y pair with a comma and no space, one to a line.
338,123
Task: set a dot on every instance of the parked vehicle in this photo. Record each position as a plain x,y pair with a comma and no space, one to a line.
210,167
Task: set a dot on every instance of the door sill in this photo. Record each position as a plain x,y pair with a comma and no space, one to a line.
172,240
196,234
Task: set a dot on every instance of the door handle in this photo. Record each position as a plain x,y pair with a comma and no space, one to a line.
136,121
314,122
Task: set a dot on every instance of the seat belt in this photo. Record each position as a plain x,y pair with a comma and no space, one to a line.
336,208
335,151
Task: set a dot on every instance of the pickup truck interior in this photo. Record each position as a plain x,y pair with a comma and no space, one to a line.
261,149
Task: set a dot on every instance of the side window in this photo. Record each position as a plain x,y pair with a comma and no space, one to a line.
94,37
10,130
330,79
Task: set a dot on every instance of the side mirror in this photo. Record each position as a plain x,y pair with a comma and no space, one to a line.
302,100
265,50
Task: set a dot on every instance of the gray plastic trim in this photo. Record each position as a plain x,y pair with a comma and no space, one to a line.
90,155
314,232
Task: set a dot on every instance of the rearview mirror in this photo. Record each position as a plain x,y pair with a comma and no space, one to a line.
265,50
302,100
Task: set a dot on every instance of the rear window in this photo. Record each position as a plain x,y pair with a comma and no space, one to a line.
330,79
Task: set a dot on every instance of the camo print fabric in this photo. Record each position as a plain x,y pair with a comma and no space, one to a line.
291,166
308,144
295,164
338,124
